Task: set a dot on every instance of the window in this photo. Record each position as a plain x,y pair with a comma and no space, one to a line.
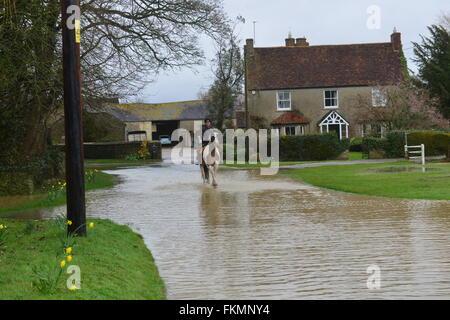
290,131
378,98
137,136
284,100
331,99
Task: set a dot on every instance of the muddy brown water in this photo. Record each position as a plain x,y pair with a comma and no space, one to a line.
260,237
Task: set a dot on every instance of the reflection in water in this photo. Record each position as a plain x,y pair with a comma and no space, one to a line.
269,238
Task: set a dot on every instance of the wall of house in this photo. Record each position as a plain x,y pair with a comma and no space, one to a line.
191,125
146,126
309,102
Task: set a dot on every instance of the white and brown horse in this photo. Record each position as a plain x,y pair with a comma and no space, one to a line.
210,164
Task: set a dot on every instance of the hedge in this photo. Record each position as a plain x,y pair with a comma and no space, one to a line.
436,143
22,180
304,148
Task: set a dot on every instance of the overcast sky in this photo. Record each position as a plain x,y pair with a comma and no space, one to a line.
320,21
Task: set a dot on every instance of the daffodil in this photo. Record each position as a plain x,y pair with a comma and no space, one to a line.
69,258
68,250
73,288
1,227
91,225
62,264
69,222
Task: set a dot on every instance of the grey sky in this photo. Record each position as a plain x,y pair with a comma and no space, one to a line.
320,21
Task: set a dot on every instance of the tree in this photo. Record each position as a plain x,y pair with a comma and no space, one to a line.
402,107
125,44
229,74
433,59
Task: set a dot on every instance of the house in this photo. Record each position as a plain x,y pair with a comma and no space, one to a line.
305,89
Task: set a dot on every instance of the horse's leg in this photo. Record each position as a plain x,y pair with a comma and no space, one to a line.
213,170
203,173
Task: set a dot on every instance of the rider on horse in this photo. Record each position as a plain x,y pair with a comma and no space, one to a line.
207,126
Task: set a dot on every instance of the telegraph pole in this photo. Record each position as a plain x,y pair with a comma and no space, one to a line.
76,207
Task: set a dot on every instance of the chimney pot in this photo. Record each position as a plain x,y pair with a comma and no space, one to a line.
250,43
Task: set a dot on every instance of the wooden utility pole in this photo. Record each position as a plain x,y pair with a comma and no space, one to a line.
76,207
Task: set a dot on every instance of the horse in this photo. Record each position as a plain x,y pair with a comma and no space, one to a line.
210,164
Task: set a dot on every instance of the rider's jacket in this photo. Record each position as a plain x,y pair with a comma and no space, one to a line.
213,138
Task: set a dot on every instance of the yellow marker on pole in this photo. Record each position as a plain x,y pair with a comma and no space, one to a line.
77,31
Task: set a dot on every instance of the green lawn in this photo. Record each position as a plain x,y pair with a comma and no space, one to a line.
352,156
114,263
40,200
381,179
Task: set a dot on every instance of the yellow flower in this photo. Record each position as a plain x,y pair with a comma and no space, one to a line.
73,288
69,222
69,258
68,250
62,264
1,226
65,184
91,225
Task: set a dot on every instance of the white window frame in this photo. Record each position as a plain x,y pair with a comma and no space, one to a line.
278,101
325,99
378,98
291,127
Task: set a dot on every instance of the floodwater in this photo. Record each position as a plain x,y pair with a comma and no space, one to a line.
260,237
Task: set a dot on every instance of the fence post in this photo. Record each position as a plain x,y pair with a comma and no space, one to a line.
423,154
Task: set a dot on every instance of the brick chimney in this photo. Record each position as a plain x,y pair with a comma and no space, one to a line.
249,45
290,42
301,42
396,40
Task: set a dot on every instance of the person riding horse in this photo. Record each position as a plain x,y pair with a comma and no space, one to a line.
207,126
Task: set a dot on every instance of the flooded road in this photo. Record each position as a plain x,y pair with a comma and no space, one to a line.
271,238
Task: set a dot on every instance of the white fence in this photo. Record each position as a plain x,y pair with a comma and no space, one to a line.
415,151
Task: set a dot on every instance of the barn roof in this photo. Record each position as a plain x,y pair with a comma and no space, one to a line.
173,111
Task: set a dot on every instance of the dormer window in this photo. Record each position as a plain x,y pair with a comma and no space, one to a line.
331,99
284,100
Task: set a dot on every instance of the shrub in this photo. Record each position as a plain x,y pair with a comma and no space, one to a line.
371,144
311,147
356,144
17,180
395,144
143,152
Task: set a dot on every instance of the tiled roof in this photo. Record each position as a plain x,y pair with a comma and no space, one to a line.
324,66
289,118
186,110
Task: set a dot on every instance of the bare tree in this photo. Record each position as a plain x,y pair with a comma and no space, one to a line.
229,74
125,44
400,107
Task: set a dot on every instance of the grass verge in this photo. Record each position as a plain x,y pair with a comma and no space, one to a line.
114,262
352,156
40,200
394,180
